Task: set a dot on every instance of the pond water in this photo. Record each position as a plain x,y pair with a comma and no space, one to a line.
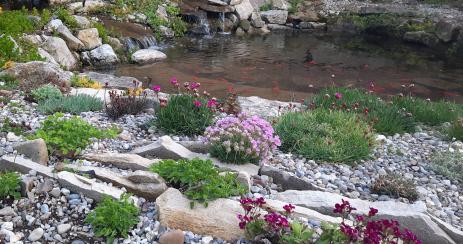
293,66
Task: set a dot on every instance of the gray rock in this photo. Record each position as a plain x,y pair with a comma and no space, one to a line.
421,37
146,56
90,38
142,177
275,16
447,30
82,21
286,180
24,166
45,55
36,234
121,160
7,211
411,216
53,25
58,49
72,41
244,9
45,186
36,150
118,82
280,4
63,228
172,237
103,55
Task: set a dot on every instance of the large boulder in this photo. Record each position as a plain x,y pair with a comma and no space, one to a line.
53,25
421,37
90,6
218,219
244,9
146,56
72,41
90,38
280,4
103,55
37,73
58,49
82,21
45,55
411,216
36,150
275,16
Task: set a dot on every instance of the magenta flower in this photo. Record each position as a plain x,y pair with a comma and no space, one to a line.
372,212
174,81
156,88
211,103
194,85
289,208
338,95
197,103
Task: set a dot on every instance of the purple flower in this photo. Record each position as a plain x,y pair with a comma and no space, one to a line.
156,88
211,103
197,103
289,208
338,95
174,81
372,212
194,85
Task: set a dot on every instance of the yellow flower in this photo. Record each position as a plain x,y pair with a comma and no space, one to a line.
96,85
1,10
8,64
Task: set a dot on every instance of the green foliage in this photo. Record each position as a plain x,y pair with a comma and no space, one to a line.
333,136
331,234
294,4
22,51
71,104
10,185
265,7
15,23
456,130
102,32
69,136
182,117
396,186
449,165
8,82
46,92
299,234
113,218
255,228
64,15
16,128
385,118
199,179
427,112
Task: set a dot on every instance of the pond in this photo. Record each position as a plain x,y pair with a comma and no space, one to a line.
293,66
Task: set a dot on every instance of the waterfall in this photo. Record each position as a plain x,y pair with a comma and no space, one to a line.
222,20
144,42
204,23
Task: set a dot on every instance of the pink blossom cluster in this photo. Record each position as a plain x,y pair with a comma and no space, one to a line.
243,137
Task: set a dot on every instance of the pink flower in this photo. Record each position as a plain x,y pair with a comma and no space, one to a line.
211,103
373,212
289,208
156,88
197,103
194,85
338,95
174,81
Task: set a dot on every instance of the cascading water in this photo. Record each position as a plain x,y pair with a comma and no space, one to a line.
141,43
222,21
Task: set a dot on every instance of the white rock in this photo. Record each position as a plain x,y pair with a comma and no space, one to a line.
145,56
36,234
58,49
244,9
63,228
90,38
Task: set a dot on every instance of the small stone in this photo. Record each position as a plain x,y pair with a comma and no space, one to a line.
63,228
172,237
45,186
44,208
55,192
7,211
8,226
36,234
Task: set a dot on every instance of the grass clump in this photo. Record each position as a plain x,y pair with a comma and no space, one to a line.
46,92
428,112
455,131
8,82
396,186
333,136
10,185
384,117
198,179
448,164
68,137
184,115
113,218
71,104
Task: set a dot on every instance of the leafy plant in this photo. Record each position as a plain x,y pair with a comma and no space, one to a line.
333,136
102,32
70,104
16,128
113,218
69,136
428,112
242,139
8,82
265,7
299,234
448,164
20,51
10,185
396,186
384,117
198,179
46,92
15,23
64,15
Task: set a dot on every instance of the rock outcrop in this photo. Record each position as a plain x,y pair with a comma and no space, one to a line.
58,49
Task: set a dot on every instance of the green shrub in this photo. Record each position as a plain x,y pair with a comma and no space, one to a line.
448,164
71,104
265,7
182,117
16,128
385,118
8,82
15,23
456,130
69,136
427,112
22,51
67,18
10,185
113,218
199,179
396,186
333,136
46,92
102,32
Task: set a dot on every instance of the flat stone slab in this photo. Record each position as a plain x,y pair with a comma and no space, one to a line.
24,165
299,211
286,180
121,160
411,216
118,82
166,148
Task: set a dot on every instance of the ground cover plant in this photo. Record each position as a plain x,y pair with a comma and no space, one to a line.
385,118
320,134
84,81
16,128
396,186
242,139
46,92
186,113
10,185
69,136
8,82
113,218
448,164
455,131
70,104
134,101
198,179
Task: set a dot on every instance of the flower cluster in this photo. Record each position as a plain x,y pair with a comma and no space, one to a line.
242,139
366,230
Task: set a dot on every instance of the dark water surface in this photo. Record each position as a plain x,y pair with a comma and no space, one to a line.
293,66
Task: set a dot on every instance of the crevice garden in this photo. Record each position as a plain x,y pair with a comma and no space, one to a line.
93,157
